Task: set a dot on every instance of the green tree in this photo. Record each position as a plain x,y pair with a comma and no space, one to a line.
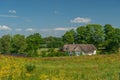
91,33
69,37
95,34
52,42
108,30
81,35
19,44
5,44
33,42
112,38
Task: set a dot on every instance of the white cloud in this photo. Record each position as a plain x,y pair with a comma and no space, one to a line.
30,29
4,27
18,30
45,30
63,29
80,20
12,11
52,32
58,32
57,29
8,16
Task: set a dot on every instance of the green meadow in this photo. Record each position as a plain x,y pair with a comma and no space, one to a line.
97,67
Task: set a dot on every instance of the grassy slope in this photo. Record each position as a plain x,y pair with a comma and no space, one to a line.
98,67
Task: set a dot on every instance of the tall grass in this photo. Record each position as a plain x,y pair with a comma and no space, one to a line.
97,67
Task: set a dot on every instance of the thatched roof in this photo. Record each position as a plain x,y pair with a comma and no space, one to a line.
87,48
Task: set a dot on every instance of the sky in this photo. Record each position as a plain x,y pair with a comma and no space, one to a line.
55,17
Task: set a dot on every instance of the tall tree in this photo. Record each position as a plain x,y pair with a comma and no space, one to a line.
5,44
53,42
112,38
81,35
19,44
91,33
95,34
108,30
33,42
68,37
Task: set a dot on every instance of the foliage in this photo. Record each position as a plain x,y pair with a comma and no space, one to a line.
19,44
30,67
5,44
81,35
56,54
96,34
106,37
112,39
52,42
91,33
52,53
68,37
30,54
44,54
33,42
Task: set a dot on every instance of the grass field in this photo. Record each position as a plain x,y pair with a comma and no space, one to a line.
98,67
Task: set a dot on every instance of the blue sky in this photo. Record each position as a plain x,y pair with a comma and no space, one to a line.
54,17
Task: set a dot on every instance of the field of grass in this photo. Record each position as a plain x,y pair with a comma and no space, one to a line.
98,67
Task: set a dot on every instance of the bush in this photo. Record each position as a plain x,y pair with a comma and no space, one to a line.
31,54
30,67
44,53
57,54
52,53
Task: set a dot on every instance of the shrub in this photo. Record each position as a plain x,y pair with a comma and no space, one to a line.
30,67
53,54
44,53
31,54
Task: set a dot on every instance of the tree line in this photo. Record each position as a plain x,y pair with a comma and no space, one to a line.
20,44
107,37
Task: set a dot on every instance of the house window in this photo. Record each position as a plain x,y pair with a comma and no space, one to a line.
77,53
